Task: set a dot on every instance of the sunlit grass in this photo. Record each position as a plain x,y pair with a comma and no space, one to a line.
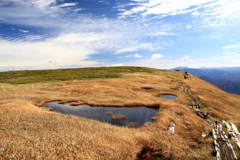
34,76
31,132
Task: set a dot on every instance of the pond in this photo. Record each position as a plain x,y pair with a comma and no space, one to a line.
169,97
120,116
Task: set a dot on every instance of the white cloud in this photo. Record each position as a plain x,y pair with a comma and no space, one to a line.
135,48
228,53
134,55
115,36
231,55
209,13
196,13
75,43
130,49
33,37
13,69
212,59
165,7
24,31
38,54
194,66
230,46
43,5
73,38
137,55
157,56
116,65
185,57
68,4
189,26
104,2
79,37
44,13
167,64
162,34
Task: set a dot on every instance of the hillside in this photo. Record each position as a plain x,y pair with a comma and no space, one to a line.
228,79
29,131
228,86
34,76
231,73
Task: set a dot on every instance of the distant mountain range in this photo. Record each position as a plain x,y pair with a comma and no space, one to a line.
228,79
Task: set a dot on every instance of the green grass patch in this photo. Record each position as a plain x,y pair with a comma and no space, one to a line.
204,104
35,76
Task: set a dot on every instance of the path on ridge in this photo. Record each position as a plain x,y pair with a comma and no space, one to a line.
223,147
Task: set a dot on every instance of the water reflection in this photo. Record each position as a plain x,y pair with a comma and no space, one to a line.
133,114
169,97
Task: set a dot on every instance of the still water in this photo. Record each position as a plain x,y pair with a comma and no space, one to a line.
138,115
169,97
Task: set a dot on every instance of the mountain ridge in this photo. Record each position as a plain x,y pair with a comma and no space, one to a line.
228,79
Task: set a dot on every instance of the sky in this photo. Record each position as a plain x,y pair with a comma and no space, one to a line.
163,34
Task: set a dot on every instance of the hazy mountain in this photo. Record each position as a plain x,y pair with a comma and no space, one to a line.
226,73
226,78
226,85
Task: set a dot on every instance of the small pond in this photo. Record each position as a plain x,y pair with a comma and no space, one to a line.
135,116
169,97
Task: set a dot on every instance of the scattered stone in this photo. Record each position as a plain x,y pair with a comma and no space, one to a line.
171,127
233,132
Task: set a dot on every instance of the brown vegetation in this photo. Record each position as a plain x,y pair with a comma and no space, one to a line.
31,132
133,125
118,117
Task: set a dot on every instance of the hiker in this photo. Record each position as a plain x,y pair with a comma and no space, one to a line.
185,75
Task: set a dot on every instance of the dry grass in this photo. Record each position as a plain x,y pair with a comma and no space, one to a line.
30,132
133,125
219,104
118,117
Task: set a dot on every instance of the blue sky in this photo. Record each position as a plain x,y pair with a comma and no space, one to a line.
51,34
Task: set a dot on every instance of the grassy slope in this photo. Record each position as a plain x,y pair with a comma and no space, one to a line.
30,132
33,76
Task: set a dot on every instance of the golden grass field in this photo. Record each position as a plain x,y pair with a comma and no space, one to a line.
29,131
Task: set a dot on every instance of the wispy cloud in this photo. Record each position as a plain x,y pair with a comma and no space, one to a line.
163,7
41,13
168,64
52,33
228,53
232,54
189,26
135,48
66,38
136,55
230,46
208,12
24,31
116,36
